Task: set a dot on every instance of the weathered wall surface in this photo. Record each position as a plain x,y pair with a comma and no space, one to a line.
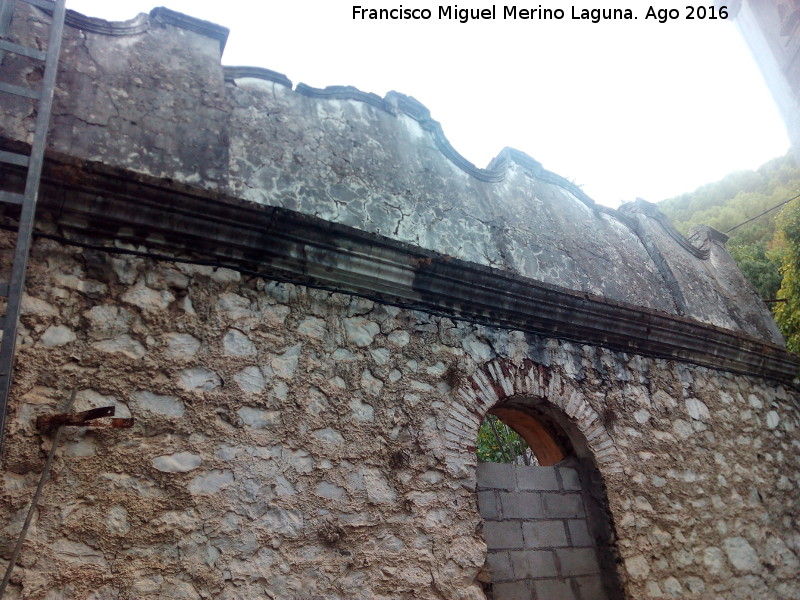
153,98
298,443
139,93
293,443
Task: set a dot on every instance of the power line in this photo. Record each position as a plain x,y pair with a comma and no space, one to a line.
763,213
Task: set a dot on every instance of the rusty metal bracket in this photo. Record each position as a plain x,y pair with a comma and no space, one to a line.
49,423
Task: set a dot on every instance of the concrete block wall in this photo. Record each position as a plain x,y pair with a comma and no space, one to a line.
536,530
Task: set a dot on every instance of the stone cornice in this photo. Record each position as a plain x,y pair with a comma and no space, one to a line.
651,210
142,23
165,16
135,26
93,202
233,73
703,235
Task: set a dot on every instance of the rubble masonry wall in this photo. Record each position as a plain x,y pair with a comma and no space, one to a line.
296,443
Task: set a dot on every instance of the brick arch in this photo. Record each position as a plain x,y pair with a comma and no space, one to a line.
501,379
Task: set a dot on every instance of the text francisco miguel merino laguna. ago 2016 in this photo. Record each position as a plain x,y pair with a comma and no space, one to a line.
540,13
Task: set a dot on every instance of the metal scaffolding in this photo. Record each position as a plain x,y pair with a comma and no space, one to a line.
12,280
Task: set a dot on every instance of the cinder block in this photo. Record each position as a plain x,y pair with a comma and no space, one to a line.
569,479
555,589
591,587
536,478
562,506
499,564
495,475
533,563
521,505
577,561
503,534
544,534
487,504
579,533
513,590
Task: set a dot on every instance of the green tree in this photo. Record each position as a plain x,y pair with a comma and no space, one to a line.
787,314
761,266
497,442
757,247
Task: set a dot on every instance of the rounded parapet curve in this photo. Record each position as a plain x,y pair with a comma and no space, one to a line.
208,29
233,73
396,102
413,108
142,22
512,155
341,92
651,210
135,26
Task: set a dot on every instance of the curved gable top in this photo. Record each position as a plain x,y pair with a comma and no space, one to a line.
149,96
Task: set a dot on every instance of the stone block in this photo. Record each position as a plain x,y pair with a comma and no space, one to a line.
487,504
167,406
562,506
569,479
544,534
180,462
555,589
199,379
579,533
742,555
513,590
503,534
536,478
236,343
578,561
637,566
521,505
258,418
211,482
533,563
360,331
499,564
496,476
591,587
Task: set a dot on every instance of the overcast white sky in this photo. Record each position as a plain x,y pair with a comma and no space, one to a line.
625,108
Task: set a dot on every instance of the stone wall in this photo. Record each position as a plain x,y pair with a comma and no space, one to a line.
151,97
293,443
308,302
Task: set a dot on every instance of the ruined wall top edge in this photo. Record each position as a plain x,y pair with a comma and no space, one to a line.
150,96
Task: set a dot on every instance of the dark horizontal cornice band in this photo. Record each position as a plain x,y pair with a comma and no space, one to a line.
100,203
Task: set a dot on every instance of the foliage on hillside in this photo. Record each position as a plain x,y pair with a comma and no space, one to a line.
737,197
758,247
787,314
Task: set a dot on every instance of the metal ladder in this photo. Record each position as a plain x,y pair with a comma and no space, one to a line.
11,288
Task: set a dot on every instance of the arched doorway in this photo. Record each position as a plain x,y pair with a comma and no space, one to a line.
542,500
